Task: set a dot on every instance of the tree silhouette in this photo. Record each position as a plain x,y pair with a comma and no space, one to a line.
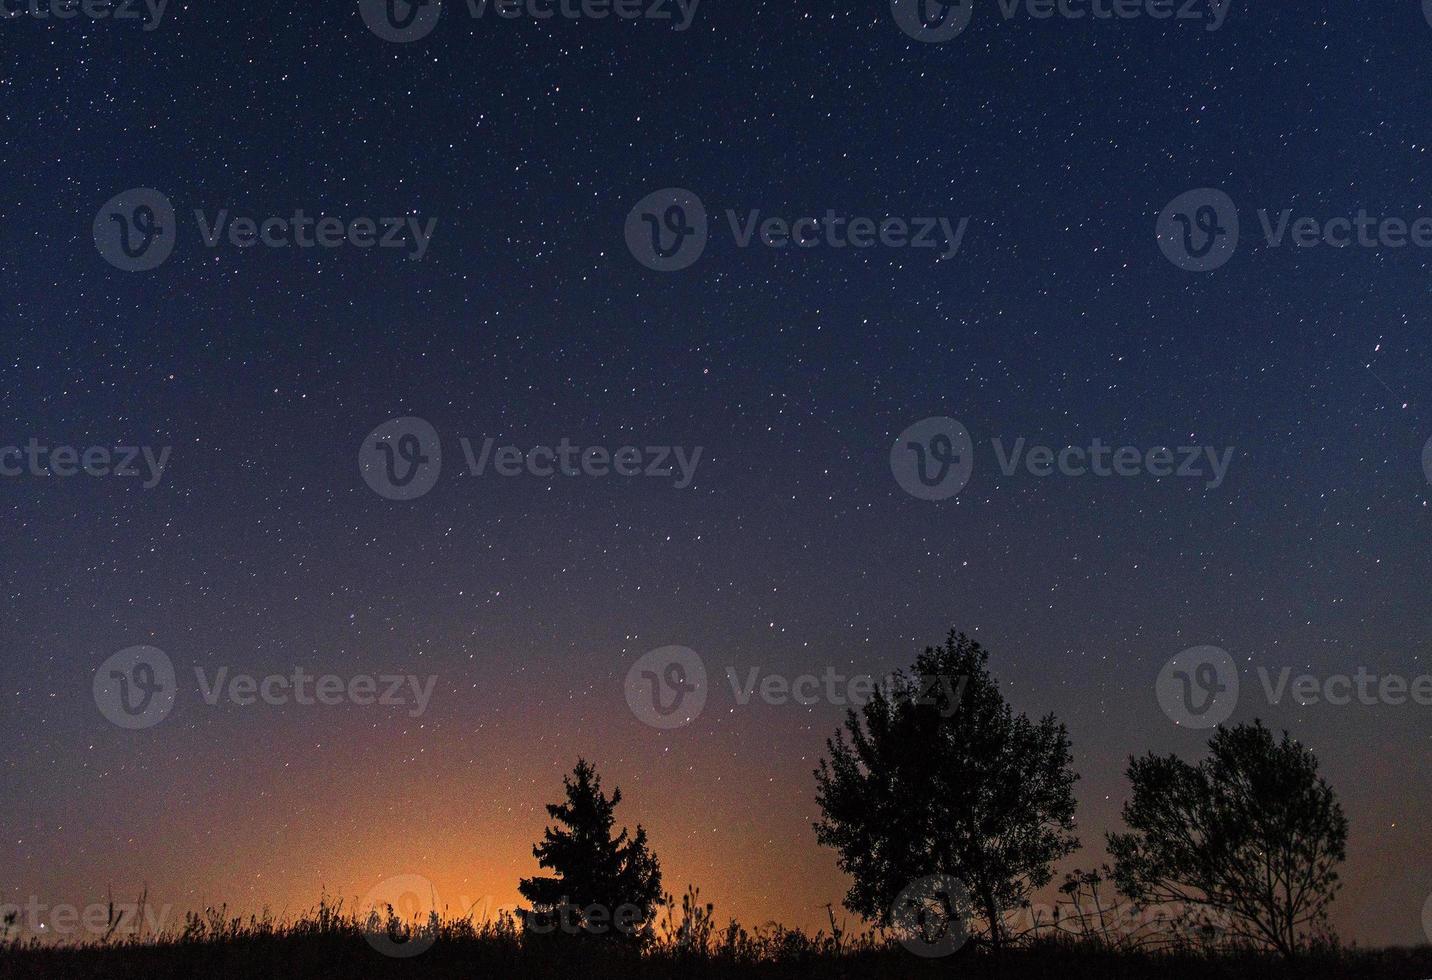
605,886
936,776
1252,833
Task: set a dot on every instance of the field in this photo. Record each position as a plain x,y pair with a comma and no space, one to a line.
331,945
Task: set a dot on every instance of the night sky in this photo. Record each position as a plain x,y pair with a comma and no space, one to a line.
794,549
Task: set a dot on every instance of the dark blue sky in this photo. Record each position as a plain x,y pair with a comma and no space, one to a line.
1059,321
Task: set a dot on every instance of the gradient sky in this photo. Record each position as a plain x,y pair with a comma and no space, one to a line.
1060,321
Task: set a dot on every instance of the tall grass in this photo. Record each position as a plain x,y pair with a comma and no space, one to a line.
337,940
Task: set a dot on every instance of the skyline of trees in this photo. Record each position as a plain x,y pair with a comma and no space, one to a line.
945,780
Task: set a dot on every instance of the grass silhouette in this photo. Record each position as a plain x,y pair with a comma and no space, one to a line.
335,941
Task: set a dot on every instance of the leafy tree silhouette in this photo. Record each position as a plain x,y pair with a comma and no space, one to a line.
936,776
1252,833
606,886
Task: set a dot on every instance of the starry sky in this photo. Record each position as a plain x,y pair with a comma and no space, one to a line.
528,320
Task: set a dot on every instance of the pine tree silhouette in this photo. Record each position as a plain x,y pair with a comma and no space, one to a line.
605,886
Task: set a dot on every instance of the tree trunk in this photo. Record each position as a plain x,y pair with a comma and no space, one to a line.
996,927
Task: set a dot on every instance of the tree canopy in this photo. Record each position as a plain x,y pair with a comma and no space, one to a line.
1252,832
936,776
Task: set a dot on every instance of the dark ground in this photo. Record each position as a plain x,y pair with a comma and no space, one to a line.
351,958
